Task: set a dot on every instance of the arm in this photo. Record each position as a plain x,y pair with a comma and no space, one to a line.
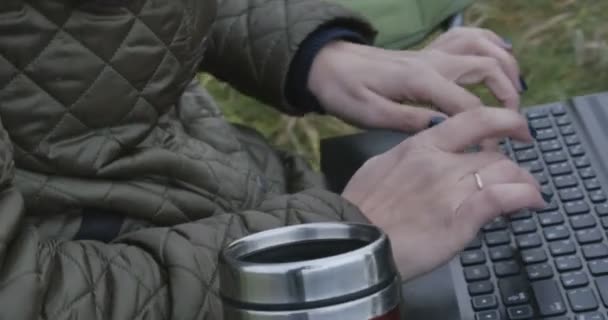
157,273
252,47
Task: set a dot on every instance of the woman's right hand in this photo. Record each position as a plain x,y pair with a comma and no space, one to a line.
424,193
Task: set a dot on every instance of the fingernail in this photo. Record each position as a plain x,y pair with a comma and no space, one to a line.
508,43
533,131
547,197
524,85
436,120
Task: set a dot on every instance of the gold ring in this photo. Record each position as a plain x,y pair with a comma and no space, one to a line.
478,181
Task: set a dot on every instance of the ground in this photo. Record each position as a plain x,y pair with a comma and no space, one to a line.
562,47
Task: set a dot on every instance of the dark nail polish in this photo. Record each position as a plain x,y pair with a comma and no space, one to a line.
533,131
547,197
508,43
524,85
435,121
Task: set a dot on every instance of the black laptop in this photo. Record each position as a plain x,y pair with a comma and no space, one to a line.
547,264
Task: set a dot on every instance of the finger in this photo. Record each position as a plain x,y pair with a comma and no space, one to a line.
508,63
446,95
505,172
471,127
496,39
496,200
391,115
475,69
490,145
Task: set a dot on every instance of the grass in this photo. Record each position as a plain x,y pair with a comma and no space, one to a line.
562,47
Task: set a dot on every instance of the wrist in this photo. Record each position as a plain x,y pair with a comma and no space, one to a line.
297,88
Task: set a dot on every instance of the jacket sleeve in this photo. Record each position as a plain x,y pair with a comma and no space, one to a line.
253,42
156,273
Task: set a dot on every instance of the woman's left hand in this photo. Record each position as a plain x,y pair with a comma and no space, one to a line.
366,86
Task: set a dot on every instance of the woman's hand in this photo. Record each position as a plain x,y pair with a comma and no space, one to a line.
425,195
365,86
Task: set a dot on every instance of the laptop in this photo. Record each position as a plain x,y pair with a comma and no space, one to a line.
547,264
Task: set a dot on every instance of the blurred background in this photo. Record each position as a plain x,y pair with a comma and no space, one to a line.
562,47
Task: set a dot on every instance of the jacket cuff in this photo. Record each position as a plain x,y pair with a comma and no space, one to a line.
296,89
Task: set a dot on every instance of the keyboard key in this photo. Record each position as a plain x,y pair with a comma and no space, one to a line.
576,207
602,287
475,244
595,251
519,146
499,223
576,151
537,113
523,214
598,267
484,302
583,221
592,184
550,218
568,181
555,157
582,300
506,268
541,177
602,209
597,196
514,290
548,298
567,130
540,124
539,271
501,253
568,263
550,207
533,166
561,248
488,315
533,256
560,169
556,233
558,110
582,162
482,287
589,236
571,194
526,155
546,189
523,226
572,140
605,222
574,280
590,316
550,145
546,134
562,121
476,273
468,258
497,238
520,313
587,173
527,241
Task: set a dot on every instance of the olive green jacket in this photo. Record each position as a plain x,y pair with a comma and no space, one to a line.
120,180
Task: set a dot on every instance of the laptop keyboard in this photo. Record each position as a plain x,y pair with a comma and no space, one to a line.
552,263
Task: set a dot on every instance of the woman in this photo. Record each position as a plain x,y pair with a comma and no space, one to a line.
121,180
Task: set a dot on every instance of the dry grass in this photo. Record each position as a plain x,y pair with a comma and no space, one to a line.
562,46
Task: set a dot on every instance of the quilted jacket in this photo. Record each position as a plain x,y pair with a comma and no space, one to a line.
101,119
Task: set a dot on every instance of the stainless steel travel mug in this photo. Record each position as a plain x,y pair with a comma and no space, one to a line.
321,271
